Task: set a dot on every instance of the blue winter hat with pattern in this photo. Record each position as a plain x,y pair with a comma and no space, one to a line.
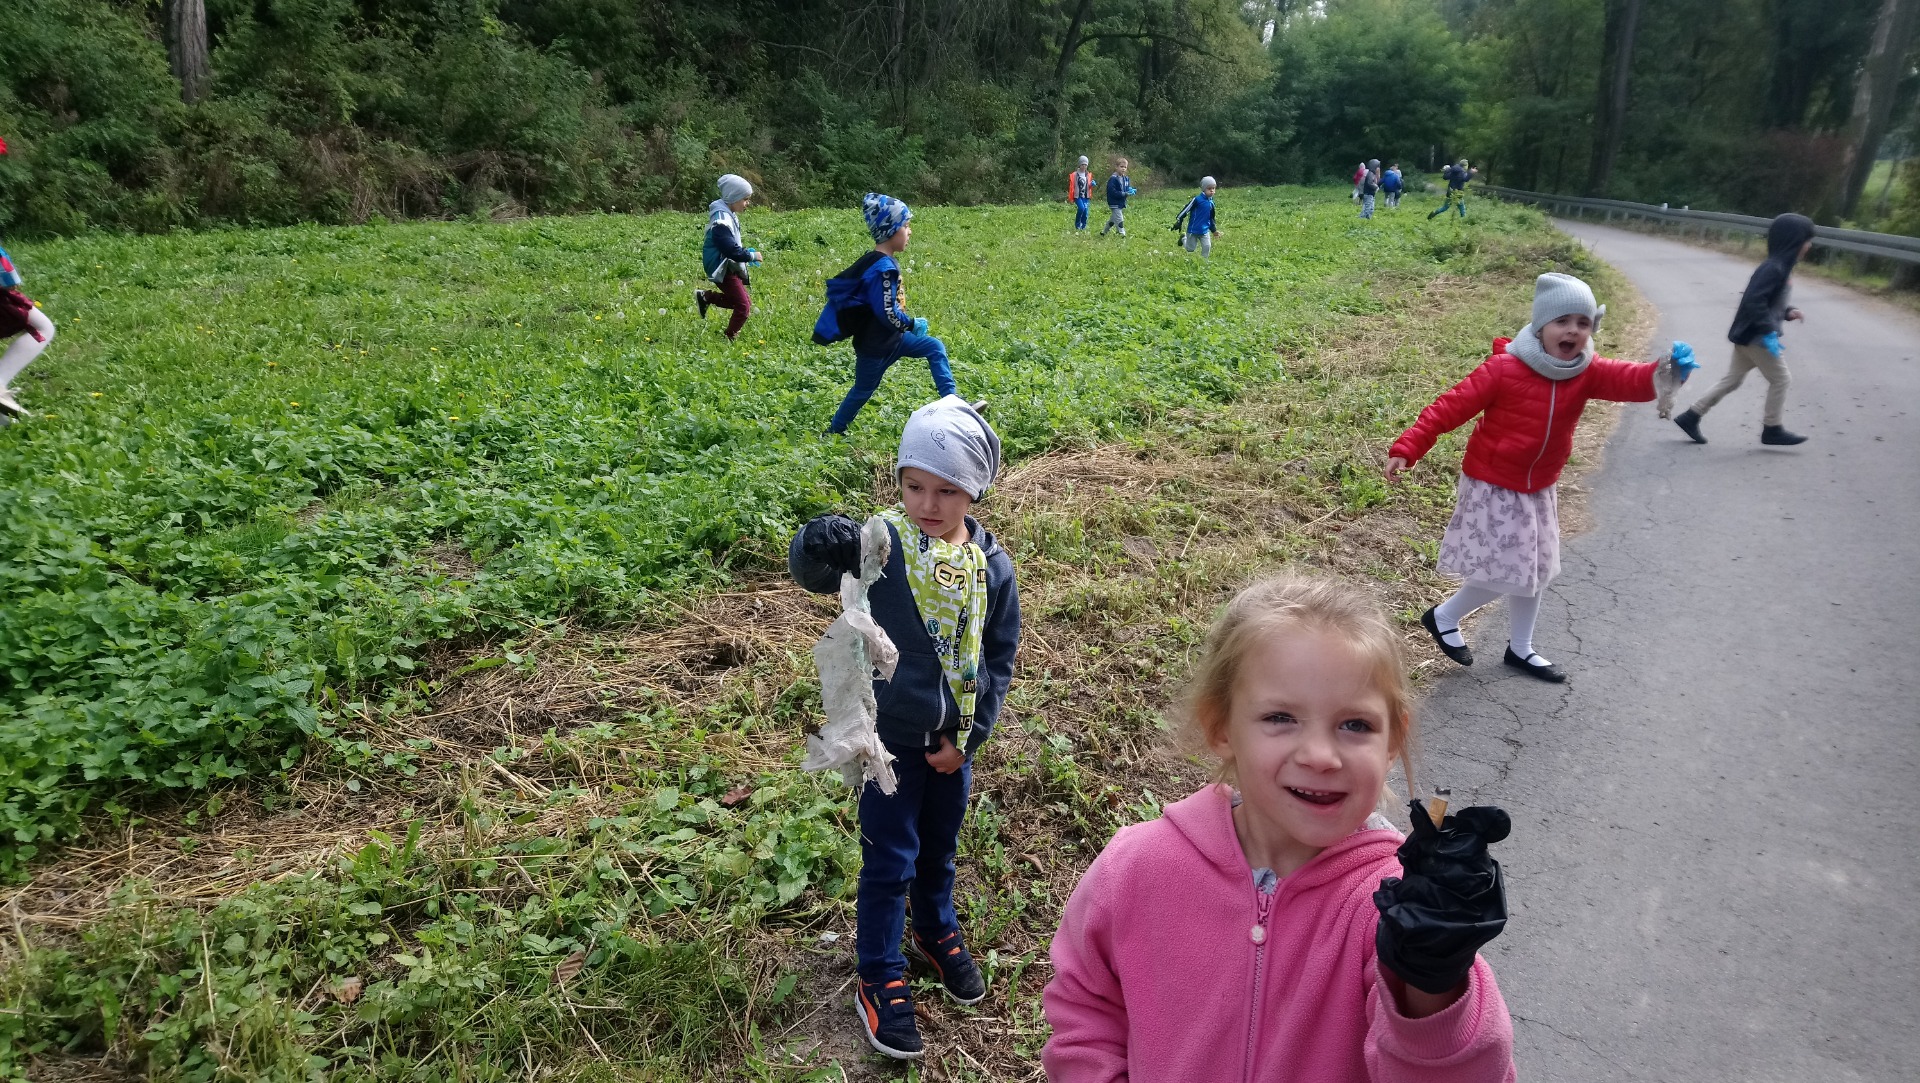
884,214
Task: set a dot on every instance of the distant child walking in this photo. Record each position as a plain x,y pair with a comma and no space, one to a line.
1119,187
1757,323
1392,184
23,327
867,302
1080,191
948,600
725,258
1203,223
1456,177
1359,174
1272,926
1504,537
1369,188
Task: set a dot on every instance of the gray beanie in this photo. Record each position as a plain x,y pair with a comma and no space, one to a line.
1208,182
1556,295
1083,159
949,438
734,187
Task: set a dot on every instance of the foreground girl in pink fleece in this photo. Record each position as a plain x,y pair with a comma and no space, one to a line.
1263,929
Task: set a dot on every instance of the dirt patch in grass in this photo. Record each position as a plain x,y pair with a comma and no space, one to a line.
1124,551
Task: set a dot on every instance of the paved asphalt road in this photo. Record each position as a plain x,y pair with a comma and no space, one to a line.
1714,872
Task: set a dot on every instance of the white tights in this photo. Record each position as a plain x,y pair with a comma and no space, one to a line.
25,348
1523,611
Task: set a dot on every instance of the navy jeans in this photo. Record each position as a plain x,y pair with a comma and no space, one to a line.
868,370
907,845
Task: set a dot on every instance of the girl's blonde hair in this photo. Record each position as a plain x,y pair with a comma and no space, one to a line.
1299,602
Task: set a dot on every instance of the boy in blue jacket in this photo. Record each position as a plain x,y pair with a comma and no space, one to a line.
1202,224
948,600
1119,187
867,303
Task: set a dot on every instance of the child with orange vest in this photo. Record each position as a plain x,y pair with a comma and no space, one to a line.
1080,191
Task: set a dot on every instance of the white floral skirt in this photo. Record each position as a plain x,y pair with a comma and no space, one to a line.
1502,539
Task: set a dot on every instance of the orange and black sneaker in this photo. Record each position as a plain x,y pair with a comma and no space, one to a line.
949,959
886,1014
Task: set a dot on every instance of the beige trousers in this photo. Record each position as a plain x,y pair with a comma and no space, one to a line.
1746,359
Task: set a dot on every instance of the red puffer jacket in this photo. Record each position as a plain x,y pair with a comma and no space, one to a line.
1524,440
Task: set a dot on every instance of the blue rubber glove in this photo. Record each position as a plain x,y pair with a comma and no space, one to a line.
753,256
1683,362
1771,340
919,325
1132,191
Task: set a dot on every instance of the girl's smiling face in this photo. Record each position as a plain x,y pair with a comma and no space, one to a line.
1566,338
1310,735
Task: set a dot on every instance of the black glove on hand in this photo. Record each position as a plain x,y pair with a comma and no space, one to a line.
833,541
1451,901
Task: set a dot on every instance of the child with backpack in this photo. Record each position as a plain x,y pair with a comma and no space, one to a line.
1080,192
1456,177
1272,925
948,600
1504,537
1119,187
725,258
1203,223
1392,183
867,303
24,328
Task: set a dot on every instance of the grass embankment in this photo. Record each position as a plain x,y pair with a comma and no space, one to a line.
453,548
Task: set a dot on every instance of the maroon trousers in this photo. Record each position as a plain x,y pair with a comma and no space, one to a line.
732,294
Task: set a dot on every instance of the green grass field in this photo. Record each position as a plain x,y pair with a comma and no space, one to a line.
286,489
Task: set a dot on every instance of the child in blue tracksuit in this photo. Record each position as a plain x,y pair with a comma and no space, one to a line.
1392,183
1202,223
1119,187
948,600
1080,192
868,303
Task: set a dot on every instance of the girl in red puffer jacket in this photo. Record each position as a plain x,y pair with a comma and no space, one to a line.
1504,537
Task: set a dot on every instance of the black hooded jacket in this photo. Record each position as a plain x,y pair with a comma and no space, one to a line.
1763,308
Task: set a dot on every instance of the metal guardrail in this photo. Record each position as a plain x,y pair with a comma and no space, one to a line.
1860,242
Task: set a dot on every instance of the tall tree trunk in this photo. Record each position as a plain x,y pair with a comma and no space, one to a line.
187,47
1873,98
1610,111
1069,45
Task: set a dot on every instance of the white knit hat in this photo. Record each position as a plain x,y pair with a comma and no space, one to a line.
1556,295
734,188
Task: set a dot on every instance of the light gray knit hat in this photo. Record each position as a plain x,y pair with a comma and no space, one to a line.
1083,160
949,438
1556,295
1208,182
734,187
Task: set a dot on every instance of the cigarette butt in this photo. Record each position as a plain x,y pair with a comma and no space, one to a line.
1437,806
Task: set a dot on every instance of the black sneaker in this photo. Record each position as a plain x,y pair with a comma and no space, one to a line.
700,301
886,1015
1778,434
1462,654
949,959
1534,666
1689,423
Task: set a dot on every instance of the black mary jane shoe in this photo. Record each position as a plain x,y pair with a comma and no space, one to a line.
1545,671
1462,654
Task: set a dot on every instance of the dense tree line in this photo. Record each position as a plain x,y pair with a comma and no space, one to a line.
150,114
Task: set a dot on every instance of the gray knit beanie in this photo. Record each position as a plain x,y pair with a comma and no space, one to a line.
734,187
1556,295
949,438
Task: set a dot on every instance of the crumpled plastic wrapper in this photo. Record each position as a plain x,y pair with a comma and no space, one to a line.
849,656
1666,384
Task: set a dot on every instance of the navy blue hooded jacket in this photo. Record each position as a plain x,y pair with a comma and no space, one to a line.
917,706
1119,186
1763,308
863,303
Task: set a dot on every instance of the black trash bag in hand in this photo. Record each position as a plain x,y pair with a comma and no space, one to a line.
834,542
1451,901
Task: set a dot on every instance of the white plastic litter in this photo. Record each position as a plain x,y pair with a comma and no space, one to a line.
849,656
1666,384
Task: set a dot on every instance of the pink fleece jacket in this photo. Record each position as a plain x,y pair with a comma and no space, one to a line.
1170,966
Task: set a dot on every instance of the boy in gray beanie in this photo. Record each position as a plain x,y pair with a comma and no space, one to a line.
725,257
948,600
1080,193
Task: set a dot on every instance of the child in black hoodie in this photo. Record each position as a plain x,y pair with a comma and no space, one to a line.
1755,334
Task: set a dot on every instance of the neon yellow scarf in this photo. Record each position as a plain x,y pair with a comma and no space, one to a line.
949,585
